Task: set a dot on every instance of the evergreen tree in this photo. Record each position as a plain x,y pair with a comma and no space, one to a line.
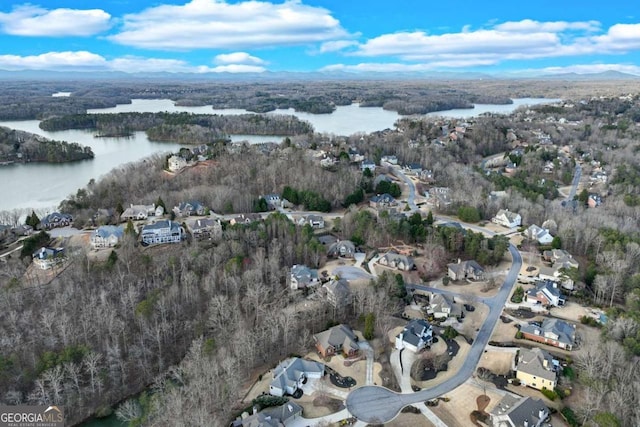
32,220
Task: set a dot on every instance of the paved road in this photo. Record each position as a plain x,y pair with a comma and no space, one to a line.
380,405
574,184
411,200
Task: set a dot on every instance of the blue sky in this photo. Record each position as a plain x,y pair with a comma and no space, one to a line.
314,35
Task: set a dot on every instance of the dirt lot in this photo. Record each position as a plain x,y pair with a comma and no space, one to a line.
473,320
455,413
498,362
571,311
410,420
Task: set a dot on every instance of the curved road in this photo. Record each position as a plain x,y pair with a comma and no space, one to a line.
374,404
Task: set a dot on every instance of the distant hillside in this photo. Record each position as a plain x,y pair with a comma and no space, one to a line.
605,75
19,146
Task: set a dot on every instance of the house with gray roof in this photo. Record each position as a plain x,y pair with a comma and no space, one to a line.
514,411
54,220
338,293
368,164
508,219
315,221
138,212
463,270
204,228
291,374
555,332
541,235
561,260
245,219
545,293
342,249
398,261
303,277
275,416
536,368
339,338
443,306
163,231
382,201
106,236
415,336
192,207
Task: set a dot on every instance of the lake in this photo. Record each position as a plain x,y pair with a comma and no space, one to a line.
45,185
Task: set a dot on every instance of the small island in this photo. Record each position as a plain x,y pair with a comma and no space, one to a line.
25,147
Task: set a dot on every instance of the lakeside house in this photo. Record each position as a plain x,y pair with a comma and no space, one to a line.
46,258
55,220
138,212
106,236
176,163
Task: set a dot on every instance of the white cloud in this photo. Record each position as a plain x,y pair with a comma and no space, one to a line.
337,45
531,26
619,38
590,69
237,58
206,24
80,60
88,61
398,67
28,20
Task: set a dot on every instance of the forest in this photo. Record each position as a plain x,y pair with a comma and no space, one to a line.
184,128
19,146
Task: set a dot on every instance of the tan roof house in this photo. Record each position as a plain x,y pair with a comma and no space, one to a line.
337,339
535,368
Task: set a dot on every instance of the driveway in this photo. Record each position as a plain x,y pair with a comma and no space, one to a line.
351,273
411,200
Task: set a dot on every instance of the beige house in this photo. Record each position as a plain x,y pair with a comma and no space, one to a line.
535,369
176,163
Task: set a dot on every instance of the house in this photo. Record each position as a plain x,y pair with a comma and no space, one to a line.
443,306
507,219
54,220
514,411
395,260
159,211
163,231
463,270
46,258
417,335
546,293
337,339
303,277
392,160
426,175
561,261
439,197
510,168
106,236
594,201
204,228
540,234
274,416
315,221
368,164
189,208
138,212
413,168
535,368
292,373
338,293
555,332
245,219
342,248
382,201
176,163
273,201
22,230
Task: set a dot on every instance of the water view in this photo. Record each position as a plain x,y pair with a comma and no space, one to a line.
44,185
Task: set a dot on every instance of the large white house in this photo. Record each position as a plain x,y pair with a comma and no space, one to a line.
540,234
46,258
176,163
507,218
415,336
163,231
291,374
